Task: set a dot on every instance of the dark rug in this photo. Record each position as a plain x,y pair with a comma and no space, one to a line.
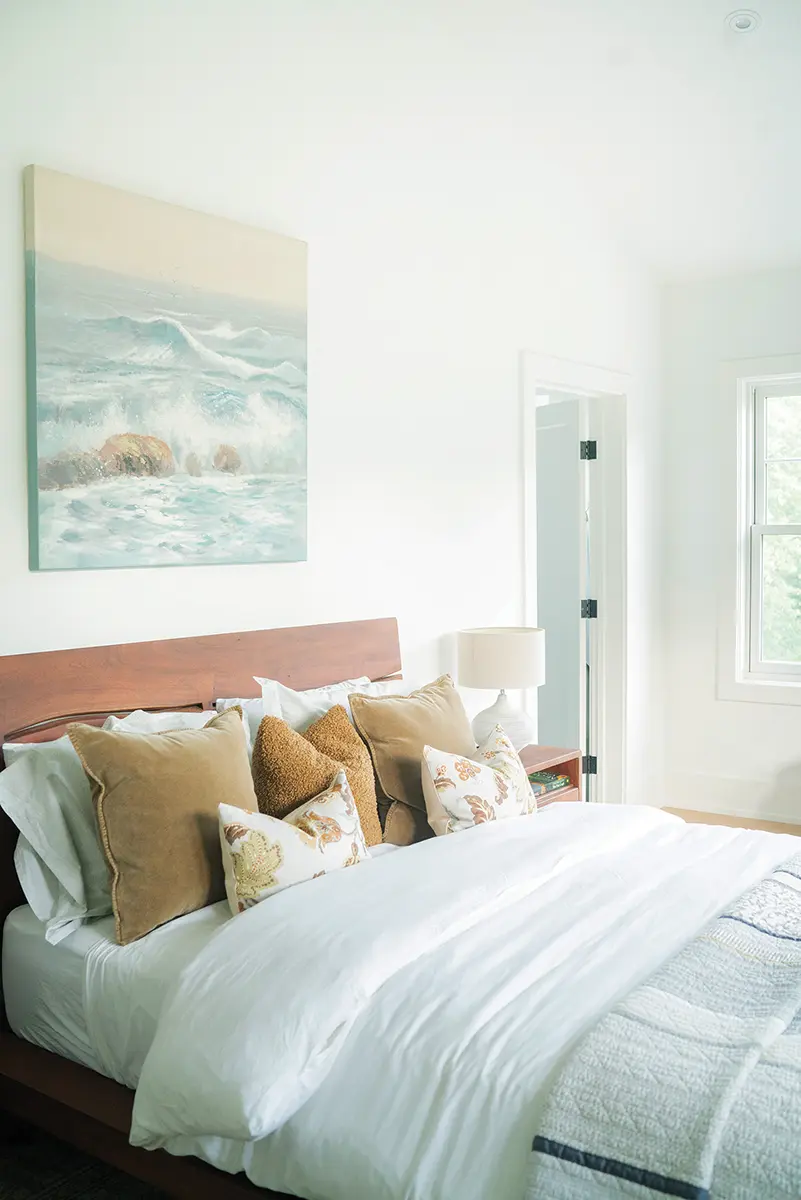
35,1166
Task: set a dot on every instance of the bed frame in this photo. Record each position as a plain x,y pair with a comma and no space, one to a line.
39,694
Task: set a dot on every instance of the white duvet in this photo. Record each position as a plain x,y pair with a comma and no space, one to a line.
387,1032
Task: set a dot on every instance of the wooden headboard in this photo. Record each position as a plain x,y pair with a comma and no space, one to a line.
41,693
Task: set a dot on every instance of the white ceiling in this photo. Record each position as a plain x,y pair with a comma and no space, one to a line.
692,131
688,134
685,135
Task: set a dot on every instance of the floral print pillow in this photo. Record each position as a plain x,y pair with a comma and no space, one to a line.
263,855
462,792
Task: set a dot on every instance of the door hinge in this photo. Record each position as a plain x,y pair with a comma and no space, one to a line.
589,608
589,764
588,449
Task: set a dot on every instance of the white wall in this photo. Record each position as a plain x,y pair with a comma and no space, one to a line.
440,246
722,755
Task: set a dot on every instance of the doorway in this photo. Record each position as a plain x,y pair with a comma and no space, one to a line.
564,702
575,535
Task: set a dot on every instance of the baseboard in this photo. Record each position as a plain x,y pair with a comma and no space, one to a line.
755,799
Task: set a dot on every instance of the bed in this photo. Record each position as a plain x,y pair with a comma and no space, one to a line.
408,1048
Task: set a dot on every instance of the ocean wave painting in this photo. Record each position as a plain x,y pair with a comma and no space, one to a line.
167,383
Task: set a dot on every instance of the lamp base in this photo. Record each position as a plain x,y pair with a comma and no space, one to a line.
515,722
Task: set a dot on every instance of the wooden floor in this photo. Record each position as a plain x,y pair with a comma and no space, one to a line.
738,822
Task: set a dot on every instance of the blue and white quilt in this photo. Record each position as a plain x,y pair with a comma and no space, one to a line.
691,1086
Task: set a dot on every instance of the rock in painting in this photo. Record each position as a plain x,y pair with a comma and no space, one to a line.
227,459
192,465
136,454
69,469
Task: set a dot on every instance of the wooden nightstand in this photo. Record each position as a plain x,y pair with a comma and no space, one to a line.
552,758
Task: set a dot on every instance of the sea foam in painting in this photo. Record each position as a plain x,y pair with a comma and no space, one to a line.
170,422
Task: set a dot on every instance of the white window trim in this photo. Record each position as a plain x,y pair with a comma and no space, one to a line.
736,677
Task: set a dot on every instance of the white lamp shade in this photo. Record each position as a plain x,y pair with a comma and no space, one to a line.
501,657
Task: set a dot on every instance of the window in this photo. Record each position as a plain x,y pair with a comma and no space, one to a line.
773,634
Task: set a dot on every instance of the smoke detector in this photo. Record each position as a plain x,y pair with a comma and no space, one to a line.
743,20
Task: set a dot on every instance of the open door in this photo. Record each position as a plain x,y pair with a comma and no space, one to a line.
566,607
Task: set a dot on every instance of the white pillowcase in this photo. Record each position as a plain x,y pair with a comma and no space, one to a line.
263,855
252,712
14,751
463,792
59,859
157,722
141,721
302,709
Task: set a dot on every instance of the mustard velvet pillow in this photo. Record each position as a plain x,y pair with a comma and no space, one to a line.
290,768
157,797
396,729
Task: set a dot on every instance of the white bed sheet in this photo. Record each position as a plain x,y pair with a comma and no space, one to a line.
45,986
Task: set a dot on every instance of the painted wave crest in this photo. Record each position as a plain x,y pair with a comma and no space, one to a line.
162,341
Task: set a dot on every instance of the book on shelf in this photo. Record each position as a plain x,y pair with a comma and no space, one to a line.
543,782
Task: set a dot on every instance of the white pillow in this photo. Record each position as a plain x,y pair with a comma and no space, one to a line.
463,792
14,751
263,855
141,721
49,900
59,859
252,712
157,722
301,709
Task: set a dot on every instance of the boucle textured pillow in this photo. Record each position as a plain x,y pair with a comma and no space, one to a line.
290,768
396,728
157,797
462,792
263,855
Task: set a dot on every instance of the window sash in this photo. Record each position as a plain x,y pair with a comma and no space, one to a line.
757,665
761,393
759,529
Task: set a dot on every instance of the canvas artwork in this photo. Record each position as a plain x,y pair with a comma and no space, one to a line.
166,383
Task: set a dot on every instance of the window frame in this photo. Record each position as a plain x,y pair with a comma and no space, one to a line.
731,464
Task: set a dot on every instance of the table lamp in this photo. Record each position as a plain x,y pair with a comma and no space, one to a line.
502,657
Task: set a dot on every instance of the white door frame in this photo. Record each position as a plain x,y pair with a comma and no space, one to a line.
607,392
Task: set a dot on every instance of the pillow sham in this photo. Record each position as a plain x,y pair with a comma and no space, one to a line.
490,785
156,796
396,728
300,709
263,855
59,858
290,768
